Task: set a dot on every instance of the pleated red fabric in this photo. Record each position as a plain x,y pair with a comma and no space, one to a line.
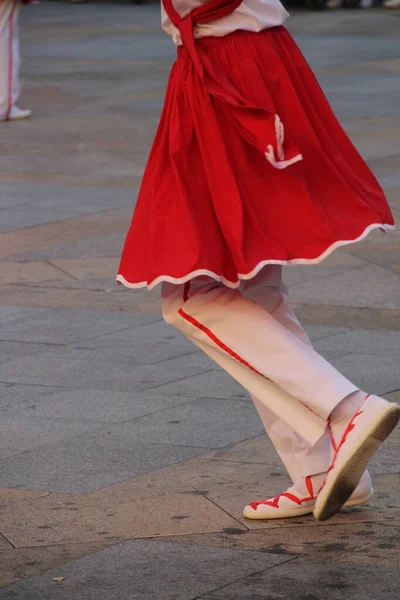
214,201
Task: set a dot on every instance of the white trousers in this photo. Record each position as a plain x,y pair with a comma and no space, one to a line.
252,333
9,56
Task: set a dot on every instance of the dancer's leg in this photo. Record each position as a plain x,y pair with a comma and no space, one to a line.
283,372
300,458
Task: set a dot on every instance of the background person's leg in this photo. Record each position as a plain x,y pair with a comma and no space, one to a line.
8,12
16,61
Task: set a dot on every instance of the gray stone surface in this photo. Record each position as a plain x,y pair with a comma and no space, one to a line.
211,423
386,460
20,434
149,344
14,396
90,461
97,247
307,580
373,373
364,100
12,314
46,203
363,341
333,49
143,570
216,384
86,368
322,332
64,326
99,406
366,286
12,350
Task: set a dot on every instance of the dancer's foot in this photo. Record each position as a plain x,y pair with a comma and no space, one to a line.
294,503
16,113
362,435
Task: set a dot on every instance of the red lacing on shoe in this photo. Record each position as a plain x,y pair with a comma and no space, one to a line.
344,437
274,502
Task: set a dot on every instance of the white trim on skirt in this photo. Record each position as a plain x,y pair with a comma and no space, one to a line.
244,276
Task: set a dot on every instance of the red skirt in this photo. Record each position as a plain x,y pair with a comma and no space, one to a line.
187,222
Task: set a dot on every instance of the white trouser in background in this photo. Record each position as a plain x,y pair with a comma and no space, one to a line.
9,56
252,334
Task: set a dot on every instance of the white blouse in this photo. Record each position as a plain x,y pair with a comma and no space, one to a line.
251,15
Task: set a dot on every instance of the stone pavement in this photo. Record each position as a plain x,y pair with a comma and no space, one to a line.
126,455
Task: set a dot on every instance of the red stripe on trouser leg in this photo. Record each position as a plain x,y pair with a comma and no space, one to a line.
221,344
218,342
210,334
226,348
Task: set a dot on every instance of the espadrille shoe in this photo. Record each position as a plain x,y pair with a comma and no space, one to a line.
362,436
292,504
17,114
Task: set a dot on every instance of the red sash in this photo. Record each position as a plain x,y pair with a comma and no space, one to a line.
260,126
210,11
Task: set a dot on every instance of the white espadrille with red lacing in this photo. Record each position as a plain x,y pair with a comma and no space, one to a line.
292,504
362,436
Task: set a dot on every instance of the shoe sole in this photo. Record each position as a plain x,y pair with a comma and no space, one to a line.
286,515
339,489
19,118
359,501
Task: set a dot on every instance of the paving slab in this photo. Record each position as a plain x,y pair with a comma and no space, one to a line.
374,373
59,519
363,101
20,434
216,384
65,326
12,272
13,314
151,344
90,461
204,422
347,316
98,246
76,370
12,350
362,341
21,563
385,553
144,570
45,203
101,406
321,542
365,286
53,234
311,580
99,300
334,264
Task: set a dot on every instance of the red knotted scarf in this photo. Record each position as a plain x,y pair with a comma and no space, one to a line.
259,126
